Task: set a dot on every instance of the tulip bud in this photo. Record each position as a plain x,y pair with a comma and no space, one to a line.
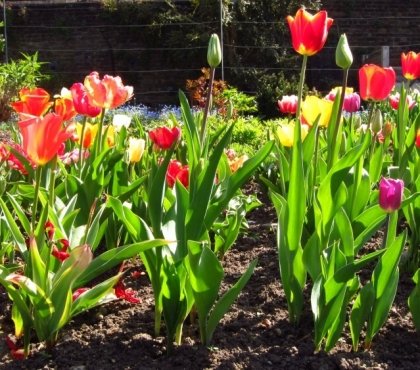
387,129
376,121
357,121
390,194
343,55
214,52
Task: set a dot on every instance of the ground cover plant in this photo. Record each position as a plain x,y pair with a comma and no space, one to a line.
88,192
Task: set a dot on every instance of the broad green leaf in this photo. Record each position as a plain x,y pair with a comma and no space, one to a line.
14,229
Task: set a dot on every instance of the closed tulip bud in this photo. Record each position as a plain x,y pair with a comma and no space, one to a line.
376,122
343,54
357,121
390,194
214,51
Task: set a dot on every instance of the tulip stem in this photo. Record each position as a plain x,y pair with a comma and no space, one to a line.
315,162
207,107
98,144
36,193
335,141
52,181
390,229
82,137
300,91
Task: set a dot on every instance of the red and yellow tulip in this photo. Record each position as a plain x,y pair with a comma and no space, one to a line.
42,137
375,82
410,65
33,102
309,32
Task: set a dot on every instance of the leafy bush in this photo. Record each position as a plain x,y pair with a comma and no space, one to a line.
25,72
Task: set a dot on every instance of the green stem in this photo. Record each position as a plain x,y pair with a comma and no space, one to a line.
52,182
178,333
315,166
207,107
98,141
390,229
158,320
82,137
300,92
38,172
334,142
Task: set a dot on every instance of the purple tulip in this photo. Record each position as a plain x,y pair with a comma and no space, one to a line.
390,194
351,102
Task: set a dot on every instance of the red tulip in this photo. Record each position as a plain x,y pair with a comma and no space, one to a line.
164,137
288,104
309,32
410,64
61,254
33,102
81,101
6,155
107,93
417,142
176,171
42,137
376,83
394,101
390,194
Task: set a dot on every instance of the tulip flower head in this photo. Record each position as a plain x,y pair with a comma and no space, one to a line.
64,106
177,171
376,83
108,92
288,104
351,102
135,149
314,107
43,137
390,194
410,65
417,142
120,120
237,162
81,101
33,102
88,135
309,32
285,133
394,101
164,137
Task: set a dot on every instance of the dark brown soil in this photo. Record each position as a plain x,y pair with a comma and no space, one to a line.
255,334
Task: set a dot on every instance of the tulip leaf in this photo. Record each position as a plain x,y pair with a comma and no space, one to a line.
414,300
224,303
113,257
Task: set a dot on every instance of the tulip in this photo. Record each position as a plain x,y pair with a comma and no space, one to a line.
390,194
176,171
81,101
236,163
314,107
309,32
164,137
127,294
49,229
78,292
376,83
343,55
394,101
285,134
417,142
33,102
43,137
351,102
61,254
6,155
410,65
288,104
135,149
107,93
120,120
214,51
64,105
376,121
88,135
110,135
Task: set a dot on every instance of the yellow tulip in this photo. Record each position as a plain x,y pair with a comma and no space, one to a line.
135,149
285,133
312,107
110,135
88,135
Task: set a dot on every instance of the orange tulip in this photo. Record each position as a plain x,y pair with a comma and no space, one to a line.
42,137
417,142
64,105
33,102
107,93
375,82
410,64
309,32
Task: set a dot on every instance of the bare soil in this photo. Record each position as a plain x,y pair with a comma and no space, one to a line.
255,334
